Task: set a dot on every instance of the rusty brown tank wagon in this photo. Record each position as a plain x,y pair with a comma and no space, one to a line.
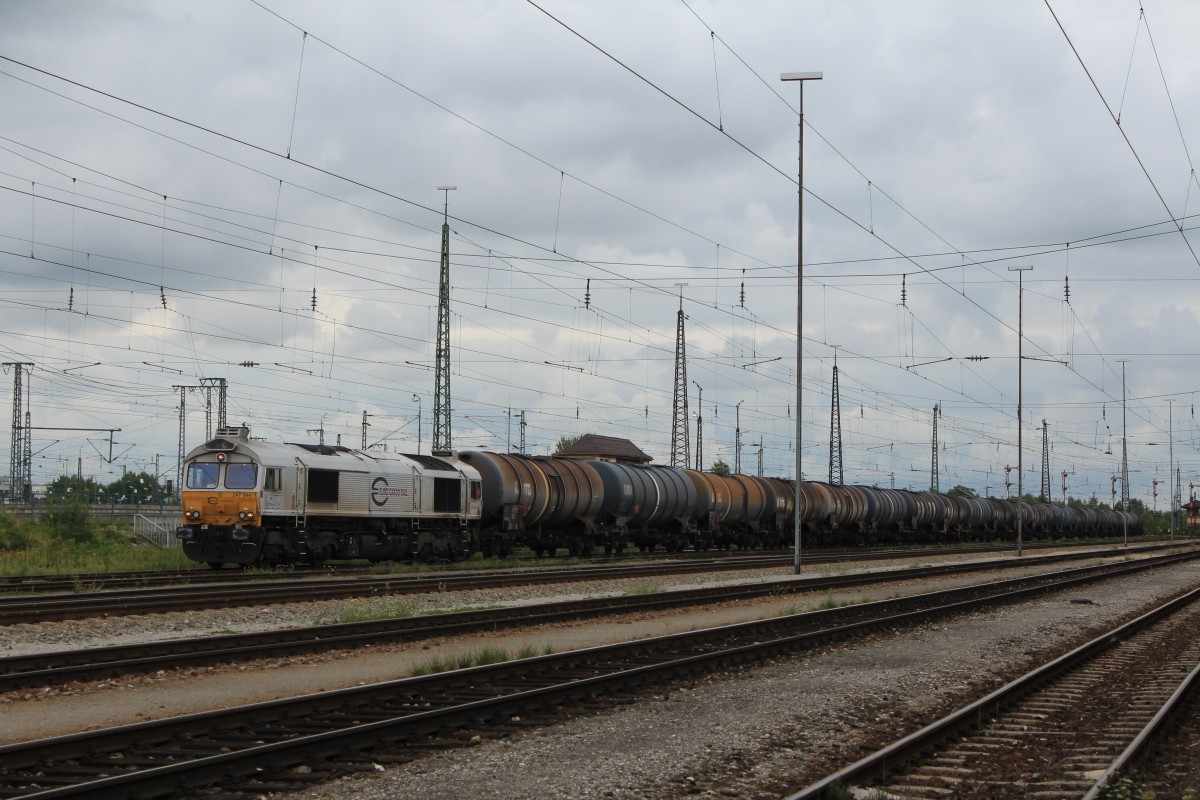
248,501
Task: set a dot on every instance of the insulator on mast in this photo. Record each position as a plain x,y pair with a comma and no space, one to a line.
314,299
587,294
904,290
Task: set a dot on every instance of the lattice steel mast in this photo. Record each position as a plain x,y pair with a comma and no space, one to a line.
933,465
681,450
20,455
441,369
220,385
1044,496
835,430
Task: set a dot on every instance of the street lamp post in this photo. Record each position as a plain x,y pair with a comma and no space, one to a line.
800,77
1020,393
417,399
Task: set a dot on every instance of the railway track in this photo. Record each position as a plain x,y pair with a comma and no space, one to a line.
288,744
27,609
57,668
104,581
1066,729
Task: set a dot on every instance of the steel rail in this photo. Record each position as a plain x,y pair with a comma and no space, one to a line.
361,717
902,751
57,667
1140,745
20,609
73,583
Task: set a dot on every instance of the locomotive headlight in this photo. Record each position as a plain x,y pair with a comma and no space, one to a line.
243,515
193,513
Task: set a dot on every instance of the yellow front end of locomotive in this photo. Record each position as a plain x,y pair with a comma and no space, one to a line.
221,507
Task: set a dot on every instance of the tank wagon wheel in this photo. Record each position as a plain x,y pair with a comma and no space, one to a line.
216,564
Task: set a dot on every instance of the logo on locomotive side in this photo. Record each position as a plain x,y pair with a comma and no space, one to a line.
380,491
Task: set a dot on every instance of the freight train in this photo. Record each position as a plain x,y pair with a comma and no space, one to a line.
248,501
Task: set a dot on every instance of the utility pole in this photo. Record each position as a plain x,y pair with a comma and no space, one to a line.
1045,493
417,399
220,385
799,77
699,428
1176,502
522,450
1065,473
1124,458
20,459
1008,481
836,475
933,468
180,451
737,439
1175,490
365,425
320,432
1154,493
441,371
760,457
1020,395
680,449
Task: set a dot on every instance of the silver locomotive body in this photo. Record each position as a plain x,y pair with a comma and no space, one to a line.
255,502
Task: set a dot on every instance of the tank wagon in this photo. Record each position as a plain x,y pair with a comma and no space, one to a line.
247,501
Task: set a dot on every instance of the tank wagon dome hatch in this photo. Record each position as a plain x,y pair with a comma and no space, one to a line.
593,447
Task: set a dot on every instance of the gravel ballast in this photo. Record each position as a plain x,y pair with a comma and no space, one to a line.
726,736
754,734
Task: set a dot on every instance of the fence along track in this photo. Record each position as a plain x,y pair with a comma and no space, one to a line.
1059,731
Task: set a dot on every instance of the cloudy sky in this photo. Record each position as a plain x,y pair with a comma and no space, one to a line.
189,187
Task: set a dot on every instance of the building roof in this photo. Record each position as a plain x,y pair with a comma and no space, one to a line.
606,448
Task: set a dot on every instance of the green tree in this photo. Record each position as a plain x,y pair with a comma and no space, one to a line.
962,491
565,443
720,467
135,487
73,487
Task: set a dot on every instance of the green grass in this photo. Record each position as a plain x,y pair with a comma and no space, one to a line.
66,539
830,603
371,610
476,658
644,588
376,609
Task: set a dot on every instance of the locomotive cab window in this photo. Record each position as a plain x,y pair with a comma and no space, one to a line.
322,486
241,476
447,495
274,481
203,474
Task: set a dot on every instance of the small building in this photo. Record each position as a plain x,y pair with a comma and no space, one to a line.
1192,509
593,447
